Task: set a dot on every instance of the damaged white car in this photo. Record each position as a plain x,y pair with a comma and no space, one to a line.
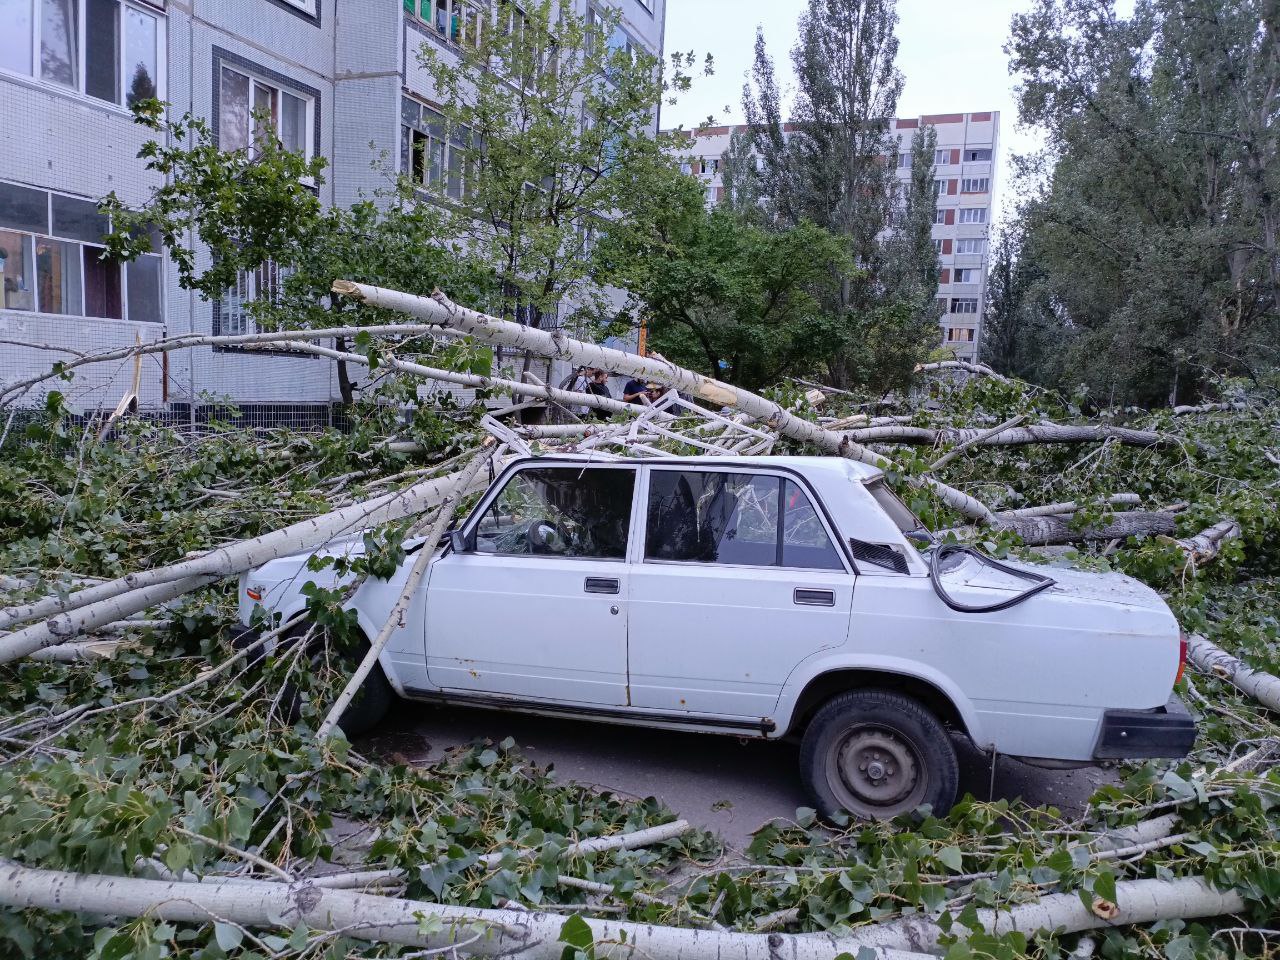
768,597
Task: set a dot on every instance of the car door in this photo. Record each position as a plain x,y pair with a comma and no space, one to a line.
535,607
738,580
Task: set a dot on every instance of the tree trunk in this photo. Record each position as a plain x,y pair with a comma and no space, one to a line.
1211,658
1041,531
491,330
535,936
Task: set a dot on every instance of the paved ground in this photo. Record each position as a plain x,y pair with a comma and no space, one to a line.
724,784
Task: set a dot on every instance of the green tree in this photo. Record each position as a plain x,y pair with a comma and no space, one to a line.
1154,226
247,211
833,163
553,117
726,296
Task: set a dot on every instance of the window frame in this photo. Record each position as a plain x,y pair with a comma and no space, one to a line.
975,184
467,166
80,88
977,216
980,242
640,517
265,77
958,271
500,483
84,248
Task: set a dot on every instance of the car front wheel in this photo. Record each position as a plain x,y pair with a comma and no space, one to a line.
876,754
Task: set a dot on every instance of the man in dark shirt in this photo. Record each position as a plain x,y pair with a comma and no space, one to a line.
599,385
635,392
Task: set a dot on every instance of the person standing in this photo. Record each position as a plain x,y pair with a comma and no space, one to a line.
599,385
636,391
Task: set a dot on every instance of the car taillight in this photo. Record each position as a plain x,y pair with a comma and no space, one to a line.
255,594
1182,655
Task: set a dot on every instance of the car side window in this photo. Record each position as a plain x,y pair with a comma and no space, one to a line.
734,518
804,539
560,511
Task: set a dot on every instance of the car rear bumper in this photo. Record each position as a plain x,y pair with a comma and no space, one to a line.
1166,731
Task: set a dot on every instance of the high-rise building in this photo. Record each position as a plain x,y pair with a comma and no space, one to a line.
340,79
964,179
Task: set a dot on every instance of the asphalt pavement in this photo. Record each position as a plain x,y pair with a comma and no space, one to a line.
728,785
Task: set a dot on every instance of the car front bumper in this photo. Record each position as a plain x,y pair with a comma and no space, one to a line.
1163,732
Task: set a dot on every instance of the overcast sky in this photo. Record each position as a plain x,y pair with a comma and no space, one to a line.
950,56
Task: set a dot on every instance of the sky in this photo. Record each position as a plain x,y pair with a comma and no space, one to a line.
950,56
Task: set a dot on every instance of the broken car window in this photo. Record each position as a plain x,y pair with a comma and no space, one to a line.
560,511
734,518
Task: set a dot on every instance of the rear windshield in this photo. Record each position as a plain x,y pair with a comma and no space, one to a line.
898,511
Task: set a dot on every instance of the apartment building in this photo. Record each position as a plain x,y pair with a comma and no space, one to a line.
964,181
339,78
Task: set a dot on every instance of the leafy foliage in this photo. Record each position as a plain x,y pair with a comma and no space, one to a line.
1151,220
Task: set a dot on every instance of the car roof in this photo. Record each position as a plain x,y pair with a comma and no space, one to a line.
841,466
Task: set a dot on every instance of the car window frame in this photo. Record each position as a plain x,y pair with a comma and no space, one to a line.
640,517
470,526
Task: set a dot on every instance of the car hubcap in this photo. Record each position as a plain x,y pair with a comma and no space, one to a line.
878,773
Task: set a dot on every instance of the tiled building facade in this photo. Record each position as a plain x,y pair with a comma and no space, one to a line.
340,79
964,172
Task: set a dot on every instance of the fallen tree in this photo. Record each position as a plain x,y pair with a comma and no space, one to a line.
557,345
539,936
1212,659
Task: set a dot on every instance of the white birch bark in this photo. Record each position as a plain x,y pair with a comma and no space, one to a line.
535,935
1014,436
1070,506
117,599
1211,658
963,365
1207,544
556,345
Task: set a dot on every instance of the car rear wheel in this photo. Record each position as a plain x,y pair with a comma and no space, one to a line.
876,754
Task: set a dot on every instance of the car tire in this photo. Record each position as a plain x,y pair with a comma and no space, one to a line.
876,754
367,707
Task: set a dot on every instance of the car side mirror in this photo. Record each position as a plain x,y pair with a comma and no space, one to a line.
458,542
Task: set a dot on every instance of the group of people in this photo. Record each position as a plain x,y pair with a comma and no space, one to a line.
596,381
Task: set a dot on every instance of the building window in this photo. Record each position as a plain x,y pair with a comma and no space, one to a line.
973,215
960,334
970,245
52,261
232,314
283,114
939,216
459,21
306,6
975,185
105,49
941,157
937,247
964,304
904,161
965,275
433,159
976,156
939,187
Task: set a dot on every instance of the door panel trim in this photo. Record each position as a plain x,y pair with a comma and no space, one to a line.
764,725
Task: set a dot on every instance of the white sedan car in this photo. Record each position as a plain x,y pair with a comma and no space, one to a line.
767,597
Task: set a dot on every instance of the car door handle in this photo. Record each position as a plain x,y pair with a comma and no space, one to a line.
602,585
807,597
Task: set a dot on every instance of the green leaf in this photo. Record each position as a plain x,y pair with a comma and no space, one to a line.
576,932
227,936
117,948
952,858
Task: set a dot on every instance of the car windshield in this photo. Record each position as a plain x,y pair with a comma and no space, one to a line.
898,511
